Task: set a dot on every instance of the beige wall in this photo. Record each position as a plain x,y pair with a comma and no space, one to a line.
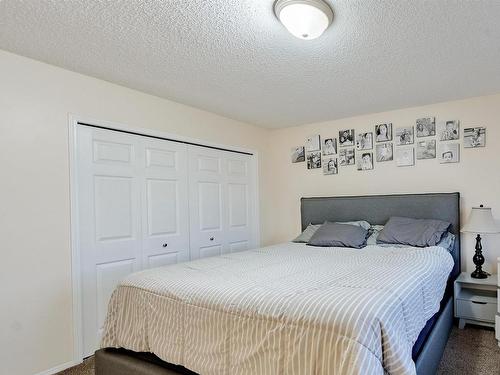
35,276
476,177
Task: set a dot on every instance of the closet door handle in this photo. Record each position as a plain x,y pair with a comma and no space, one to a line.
211,238
165,245
479,303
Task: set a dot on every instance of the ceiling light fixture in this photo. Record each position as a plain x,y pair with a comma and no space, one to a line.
305,19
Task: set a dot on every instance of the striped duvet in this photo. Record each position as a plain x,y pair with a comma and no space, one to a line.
287,309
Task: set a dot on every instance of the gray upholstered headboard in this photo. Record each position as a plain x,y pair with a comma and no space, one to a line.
377,209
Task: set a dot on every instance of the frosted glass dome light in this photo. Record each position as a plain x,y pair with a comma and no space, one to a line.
305,19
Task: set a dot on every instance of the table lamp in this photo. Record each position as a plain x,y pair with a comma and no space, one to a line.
480,221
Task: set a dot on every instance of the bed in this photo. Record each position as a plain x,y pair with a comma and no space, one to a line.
289,309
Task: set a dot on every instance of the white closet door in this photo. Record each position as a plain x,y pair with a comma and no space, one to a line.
109,220
220,200
206,186
165,224
239,197
145,202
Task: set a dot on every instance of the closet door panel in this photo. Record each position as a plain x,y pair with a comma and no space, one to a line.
162,207
207,207
161,260
113,207
116,212
239,196
111,152
237,205
109,221
209,233
165,203
220,202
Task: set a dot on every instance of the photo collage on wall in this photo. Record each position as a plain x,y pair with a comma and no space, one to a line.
403,144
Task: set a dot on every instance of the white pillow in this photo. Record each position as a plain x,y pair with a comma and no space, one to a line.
375,231
306,235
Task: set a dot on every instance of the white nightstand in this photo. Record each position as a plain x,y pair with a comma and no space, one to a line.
476,300
497,318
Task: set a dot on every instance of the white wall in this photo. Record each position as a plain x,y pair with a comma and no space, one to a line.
35,277
476,177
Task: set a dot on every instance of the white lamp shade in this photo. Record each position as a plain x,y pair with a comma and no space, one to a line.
305,19
481,221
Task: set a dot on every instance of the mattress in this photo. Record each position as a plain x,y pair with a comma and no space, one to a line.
284,309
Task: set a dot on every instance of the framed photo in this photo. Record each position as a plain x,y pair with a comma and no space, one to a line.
426,127
405,157
298,154
384,152
346,138
404,136
330,166
347,157
364,141
314,160
474,137
365,161
449,153
383,132
426,149
313,143
330,146
449,130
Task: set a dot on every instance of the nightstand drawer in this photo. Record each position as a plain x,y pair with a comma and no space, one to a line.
476,310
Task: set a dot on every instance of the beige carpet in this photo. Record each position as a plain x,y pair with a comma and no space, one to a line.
471,351
86,368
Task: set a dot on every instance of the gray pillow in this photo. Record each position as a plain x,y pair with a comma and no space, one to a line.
339,235
413,232
306,235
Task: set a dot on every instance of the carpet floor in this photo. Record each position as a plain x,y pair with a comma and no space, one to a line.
471,351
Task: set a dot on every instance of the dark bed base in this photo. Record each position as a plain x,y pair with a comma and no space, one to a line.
375,209
126,362
430,356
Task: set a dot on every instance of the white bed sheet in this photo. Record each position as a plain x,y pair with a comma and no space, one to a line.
284,309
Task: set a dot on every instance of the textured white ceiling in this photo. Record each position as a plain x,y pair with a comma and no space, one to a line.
234,58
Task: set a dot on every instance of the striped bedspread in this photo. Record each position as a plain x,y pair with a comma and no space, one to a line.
288,309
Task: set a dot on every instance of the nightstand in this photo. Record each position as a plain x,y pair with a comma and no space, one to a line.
476,300
497,318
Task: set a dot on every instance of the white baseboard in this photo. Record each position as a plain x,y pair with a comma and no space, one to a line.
56,369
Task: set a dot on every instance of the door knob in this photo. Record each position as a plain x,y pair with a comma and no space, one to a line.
165,245
211,238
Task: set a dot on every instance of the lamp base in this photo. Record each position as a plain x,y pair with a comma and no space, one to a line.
478,260
479,274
